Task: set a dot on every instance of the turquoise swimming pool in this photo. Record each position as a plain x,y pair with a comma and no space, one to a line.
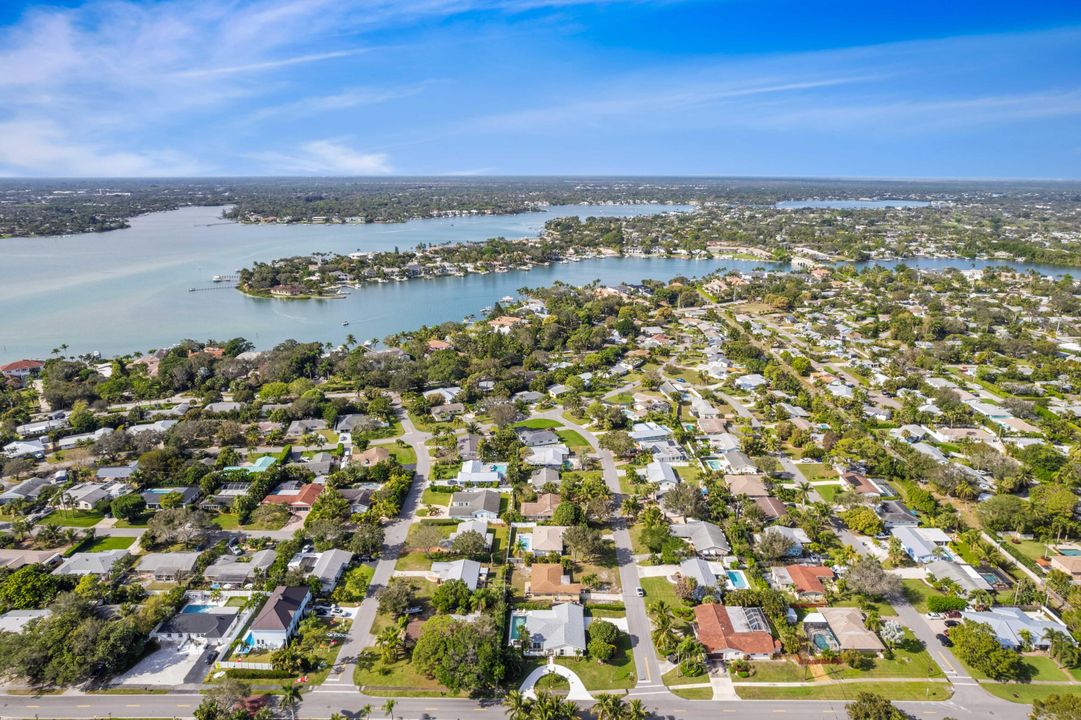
517,622
737,580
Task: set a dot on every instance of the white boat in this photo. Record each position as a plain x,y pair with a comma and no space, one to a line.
345,323
506,299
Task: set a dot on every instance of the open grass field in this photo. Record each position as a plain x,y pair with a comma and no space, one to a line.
538,424
616,674
106,542
72,518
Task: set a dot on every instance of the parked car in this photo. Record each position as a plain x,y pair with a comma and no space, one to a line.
952,623
211,657
945,641
639,591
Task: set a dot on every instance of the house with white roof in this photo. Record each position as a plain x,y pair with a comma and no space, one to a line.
923,545
1012,624
468,571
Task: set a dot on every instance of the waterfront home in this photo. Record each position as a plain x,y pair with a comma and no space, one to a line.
557,631
923,545
90,563
707,539
505,323
468,571
276,623
168,565
474,504
1012,624
549,581
732,633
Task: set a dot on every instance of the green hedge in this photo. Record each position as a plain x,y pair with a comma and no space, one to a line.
253,674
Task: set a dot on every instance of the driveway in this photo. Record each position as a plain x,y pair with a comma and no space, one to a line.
578,689
168,667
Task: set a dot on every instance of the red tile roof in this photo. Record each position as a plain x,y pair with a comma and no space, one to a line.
808,578
716,632
304,498
22,365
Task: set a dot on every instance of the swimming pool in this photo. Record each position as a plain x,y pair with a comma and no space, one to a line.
714,464
517,622
525,542
1069,552
737,580
198,608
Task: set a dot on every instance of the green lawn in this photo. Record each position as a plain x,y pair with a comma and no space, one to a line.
404,455
827,491
884,608
72,518
917,593
396,679
816,471
107,542
616,674
432,497
1025,694
1029,548
703,693
658,588
846,691
539,424
229,521
906,663
572,438
554,684
672,677
777,671
688,473
621,399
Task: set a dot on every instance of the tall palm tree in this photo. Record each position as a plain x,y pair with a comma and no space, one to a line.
636,710
518,705
609,707
290,699
388,708
803,492
364,713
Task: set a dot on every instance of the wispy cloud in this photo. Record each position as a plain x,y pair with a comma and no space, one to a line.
266,65
325,157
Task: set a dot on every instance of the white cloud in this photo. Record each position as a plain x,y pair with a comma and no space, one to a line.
41,148
325,157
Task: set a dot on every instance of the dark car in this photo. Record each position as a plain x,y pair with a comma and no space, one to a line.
946,642
952,623
211,657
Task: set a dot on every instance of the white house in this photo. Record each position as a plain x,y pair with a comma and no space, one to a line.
560,630
277,621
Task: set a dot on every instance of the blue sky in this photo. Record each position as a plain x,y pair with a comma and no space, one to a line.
544,87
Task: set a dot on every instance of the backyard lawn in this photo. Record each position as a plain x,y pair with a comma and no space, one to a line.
827,491
573,439
72,518
404,455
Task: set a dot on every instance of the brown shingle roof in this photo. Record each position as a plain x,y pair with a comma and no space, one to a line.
808,578
545,506
547,579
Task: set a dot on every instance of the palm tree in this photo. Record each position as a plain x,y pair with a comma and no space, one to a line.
291,699
803,492
364,713
609,707
519,707
388,708
636,710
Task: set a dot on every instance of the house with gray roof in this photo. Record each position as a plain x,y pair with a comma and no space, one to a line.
90,563
1011,624
707,539
277,621
474,504
559,630
231,570
169,565
468,571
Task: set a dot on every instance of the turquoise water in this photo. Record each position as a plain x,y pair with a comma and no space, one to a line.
525,542
261,465
1071,552
737,580
197,608
821,641
517,622
714,464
